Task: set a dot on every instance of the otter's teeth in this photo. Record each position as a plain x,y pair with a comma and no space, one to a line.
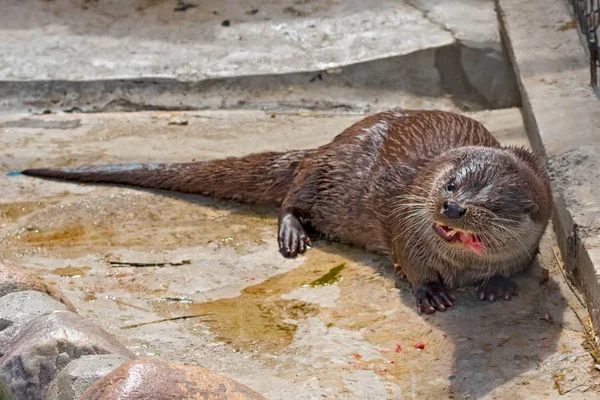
451,233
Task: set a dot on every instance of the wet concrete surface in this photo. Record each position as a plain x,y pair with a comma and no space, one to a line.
193,280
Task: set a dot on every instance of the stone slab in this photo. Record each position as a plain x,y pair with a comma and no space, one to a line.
323,55
80,374
562,115
109,39
411,81
238,308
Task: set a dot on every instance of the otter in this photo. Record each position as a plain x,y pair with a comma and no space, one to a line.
432,190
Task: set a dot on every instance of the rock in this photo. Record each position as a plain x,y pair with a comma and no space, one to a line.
147,378
178,120
14,280
72,380
20,307
30,359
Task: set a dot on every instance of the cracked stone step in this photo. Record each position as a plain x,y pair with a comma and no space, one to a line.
60,40
321,55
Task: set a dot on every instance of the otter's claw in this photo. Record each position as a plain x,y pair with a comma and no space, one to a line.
291,236
433,296
497,286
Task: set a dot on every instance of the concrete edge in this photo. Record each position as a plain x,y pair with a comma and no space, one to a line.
580,267
436,72
104,370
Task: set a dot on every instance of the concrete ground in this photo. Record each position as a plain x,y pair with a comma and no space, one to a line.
330,324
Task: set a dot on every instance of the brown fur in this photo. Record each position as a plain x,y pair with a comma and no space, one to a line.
379,184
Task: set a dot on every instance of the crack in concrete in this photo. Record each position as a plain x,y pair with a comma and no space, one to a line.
440,25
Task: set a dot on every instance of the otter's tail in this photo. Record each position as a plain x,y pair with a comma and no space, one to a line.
256,178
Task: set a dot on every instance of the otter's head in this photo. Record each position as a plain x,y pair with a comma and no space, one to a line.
485,200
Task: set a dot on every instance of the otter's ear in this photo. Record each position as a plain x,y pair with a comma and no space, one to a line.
527,156
531,207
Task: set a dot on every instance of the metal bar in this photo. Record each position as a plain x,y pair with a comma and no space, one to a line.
587,14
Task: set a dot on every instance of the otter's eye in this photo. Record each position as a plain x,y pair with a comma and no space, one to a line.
450,187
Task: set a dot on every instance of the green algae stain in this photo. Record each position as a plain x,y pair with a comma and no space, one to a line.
329,278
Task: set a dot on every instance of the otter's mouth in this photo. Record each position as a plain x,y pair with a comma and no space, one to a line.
470,241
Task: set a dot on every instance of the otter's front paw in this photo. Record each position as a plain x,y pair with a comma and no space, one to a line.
497,286
291,236
433,296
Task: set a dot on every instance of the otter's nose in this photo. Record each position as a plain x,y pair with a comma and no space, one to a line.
453,210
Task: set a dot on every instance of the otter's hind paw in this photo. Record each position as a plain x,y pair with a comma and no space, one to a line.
433,296
291,236
497,286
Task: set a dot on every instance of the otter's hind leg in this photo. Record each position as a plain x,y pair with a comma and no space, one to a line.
497,286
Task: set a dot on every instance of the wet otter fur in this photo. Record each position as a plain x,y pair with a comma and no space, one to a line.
432,190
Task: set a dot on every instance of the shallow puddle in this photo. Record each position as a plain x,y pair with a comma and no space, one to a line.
259,319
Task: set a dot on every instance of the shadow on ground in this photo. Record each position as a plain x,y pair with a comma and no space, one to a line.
487,344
